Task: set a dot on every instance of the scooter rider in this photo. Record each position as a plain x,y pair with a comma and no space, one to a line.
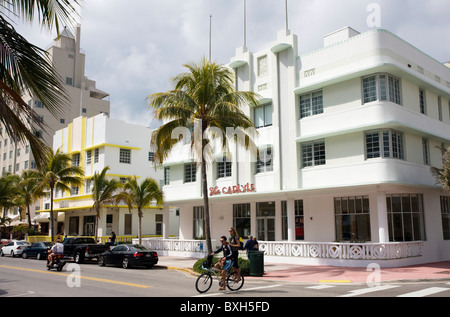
58,248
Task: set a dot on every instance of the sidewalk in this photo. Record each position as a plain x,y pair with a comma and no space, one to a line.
327,274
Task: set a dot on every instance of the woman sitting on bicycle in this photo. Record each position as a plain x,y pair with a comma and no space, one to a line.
225,262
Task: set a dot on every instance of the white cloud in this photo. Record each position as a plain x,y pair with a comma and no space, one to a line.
133,48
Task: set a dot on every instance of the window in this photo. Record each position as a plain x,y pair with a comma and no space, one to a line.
224,168
88,157
62,120
127,224
74,190
190,172
125,156
241,219
38,104
199,222
83,110
151,156
166,175
445,212
440,109
422,101
405,217
263,116
265,161
384,143
96,154
262,66
381,87
426,151
76,159
69,81
299,220
313,153
311,104
352,218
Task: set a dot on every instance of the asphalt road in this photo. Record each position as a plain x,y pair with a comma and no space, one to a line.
29,278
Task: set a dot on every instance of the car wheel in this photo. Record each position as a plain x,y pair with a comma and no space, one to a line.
126,263
78,258
101,261
12,254
1,253
24,255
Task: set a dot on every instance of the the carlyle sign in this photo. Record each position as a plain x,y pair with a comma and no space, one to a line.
229,190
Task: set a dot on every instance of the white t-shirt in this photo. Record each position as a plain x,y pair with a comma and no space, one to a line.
58,248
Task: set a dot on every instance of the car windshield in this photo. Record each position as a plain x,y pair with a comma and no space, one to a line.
138,247
48,244
21,243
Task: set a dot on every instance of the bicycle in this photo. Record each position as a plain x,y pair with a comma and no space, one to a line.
204,280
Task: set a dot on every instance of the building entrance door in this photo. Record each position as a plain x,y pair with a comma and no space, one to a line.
265,220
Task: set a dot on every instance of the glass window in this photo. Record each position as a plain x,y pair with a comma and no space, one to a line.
224,168
391,144
190,172
405,217
352,218
76,159
422,101
125,156
382,87
241,219
311,104
166,175
313,153
265,161
263,116
199,222
96,155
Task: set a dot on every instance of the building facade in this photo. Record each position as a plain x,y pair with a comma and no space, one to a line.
95,143
346,137
84,99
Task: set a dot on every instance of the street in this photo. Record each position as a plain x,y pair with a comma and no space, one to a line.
29,278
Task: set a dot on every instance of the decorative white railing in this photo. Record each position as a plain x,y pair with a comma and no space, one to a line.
157,244
346,251
324,250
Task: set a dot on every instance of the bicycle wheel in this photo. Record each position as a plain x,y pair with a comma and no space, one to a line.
232,284
203,283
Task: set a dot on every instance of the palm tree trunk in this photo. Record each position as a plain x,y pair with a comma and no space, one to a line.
206,206
52,225
29,216
140,225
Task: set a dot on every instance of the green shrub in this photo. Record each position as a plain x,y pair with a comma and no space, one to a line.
244,265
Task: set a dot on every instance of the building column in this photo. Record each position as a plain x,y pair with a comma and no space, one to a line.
253,222
101,223
290,206
383,226
166,221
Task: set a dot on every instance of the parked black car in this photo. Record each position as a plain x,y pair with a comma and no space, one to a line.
39,250
83,248
129,255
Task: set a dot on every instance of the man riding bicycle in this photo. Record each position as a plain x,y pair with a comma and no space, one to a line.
225,263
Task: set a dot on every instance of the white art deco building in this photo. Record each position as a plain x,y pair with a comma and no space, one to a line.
347,136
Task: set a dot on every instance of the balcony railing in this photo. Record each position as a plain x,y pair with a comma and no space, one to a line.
343,251
323,250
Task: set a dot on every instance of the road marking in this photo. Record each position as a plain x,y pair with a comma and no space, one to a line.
334,281
81,276
320,286
241,290
425,292
368,290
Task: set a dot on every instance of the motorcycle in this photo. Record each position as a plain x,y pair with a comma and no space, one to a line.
58,263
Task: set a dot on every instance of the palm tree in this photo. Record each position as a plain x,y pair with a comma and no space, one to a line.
29,190
25,68
442,175
140,196
205,97
58,173
103,192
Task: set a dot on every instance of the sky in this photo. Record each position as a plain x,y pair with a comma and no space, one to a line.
133,48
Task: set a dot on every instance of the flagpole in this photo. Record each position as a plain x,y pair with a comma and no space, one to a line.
210,27
286,6
245,23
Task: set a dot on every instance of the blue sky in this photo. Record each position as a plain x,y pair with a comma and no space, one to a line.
134,47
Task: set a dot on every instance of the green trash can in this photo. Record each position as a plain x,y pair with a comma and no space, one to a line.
256,263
